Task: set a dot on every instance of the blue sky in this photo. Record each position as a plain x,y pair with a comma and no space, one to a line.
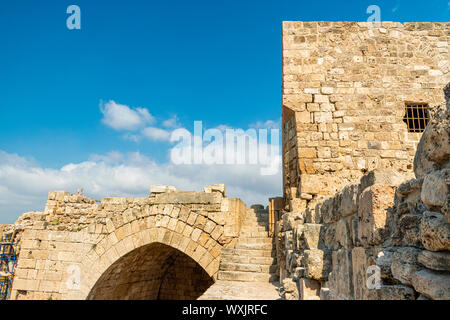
214,61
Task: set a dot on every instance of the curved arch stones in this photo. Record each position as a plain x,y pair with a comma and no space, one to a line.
68,247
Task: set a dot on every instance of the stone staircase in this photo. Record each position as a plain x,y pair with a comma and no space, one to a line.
247,272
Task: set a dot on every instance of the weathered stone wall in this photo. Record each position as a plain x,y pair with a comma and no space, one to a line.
345,87
402,229
80,248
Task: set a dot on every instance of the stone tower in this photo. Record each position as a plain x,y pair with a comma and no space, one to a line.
347,89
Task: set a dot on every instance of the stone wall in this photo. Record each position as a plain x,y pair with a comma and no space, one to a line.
385,227
80,248
345,87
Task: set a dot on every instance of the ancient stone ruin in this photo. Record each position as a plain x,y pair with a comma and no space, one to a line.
358,224
365,206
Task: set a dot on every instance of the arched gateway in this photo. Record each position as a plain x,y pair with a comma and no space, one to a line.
166,246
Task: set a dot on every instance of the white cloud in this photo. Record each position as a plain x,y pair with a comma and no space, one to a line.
156,134
24,185
171,122
269,124
122,117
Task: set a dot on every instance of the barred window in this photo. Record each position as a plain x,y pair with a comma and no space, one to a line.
416,117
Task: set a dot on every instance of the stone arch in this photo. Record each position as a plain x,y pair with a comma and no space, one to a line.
152,272
195,236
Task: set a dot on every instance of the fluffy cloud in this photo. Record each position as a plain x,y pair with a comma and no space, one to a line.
136,120
171,122
122,117
24,184
156,134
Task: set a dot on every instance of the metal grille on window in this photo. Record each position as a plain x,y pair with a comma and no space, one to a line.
416,117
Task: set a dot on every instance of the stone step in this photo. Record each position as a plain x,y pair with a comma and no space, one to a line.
253,228
247,267
249,253
237,290
254,224
246,276
256,240
256,234
231,258
254,246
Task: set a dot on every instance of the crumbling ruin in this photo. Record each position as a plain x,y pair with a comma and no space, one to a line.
382,238
365,206
358,226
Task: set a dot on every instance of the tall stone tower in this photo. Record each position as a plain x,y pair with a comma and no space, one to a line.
356,98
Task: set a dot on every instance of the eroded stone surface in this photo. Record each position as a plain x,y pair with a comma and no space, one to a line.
432,284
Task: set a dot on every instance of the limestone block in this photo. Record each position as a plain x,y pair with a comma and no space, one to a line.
434,147
344,233
435,189
329,210
303,117
188,197
215,188
407,231
439,261
340,279
349,201
310,236
432,284
319,98
329,237
217,232
435,232
446,210
404,264
323,117
361,260
327,90
162,189
392,292
309,289
317,264
312,212
374,202
297,205
382,176
291,219
290,289
308,153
